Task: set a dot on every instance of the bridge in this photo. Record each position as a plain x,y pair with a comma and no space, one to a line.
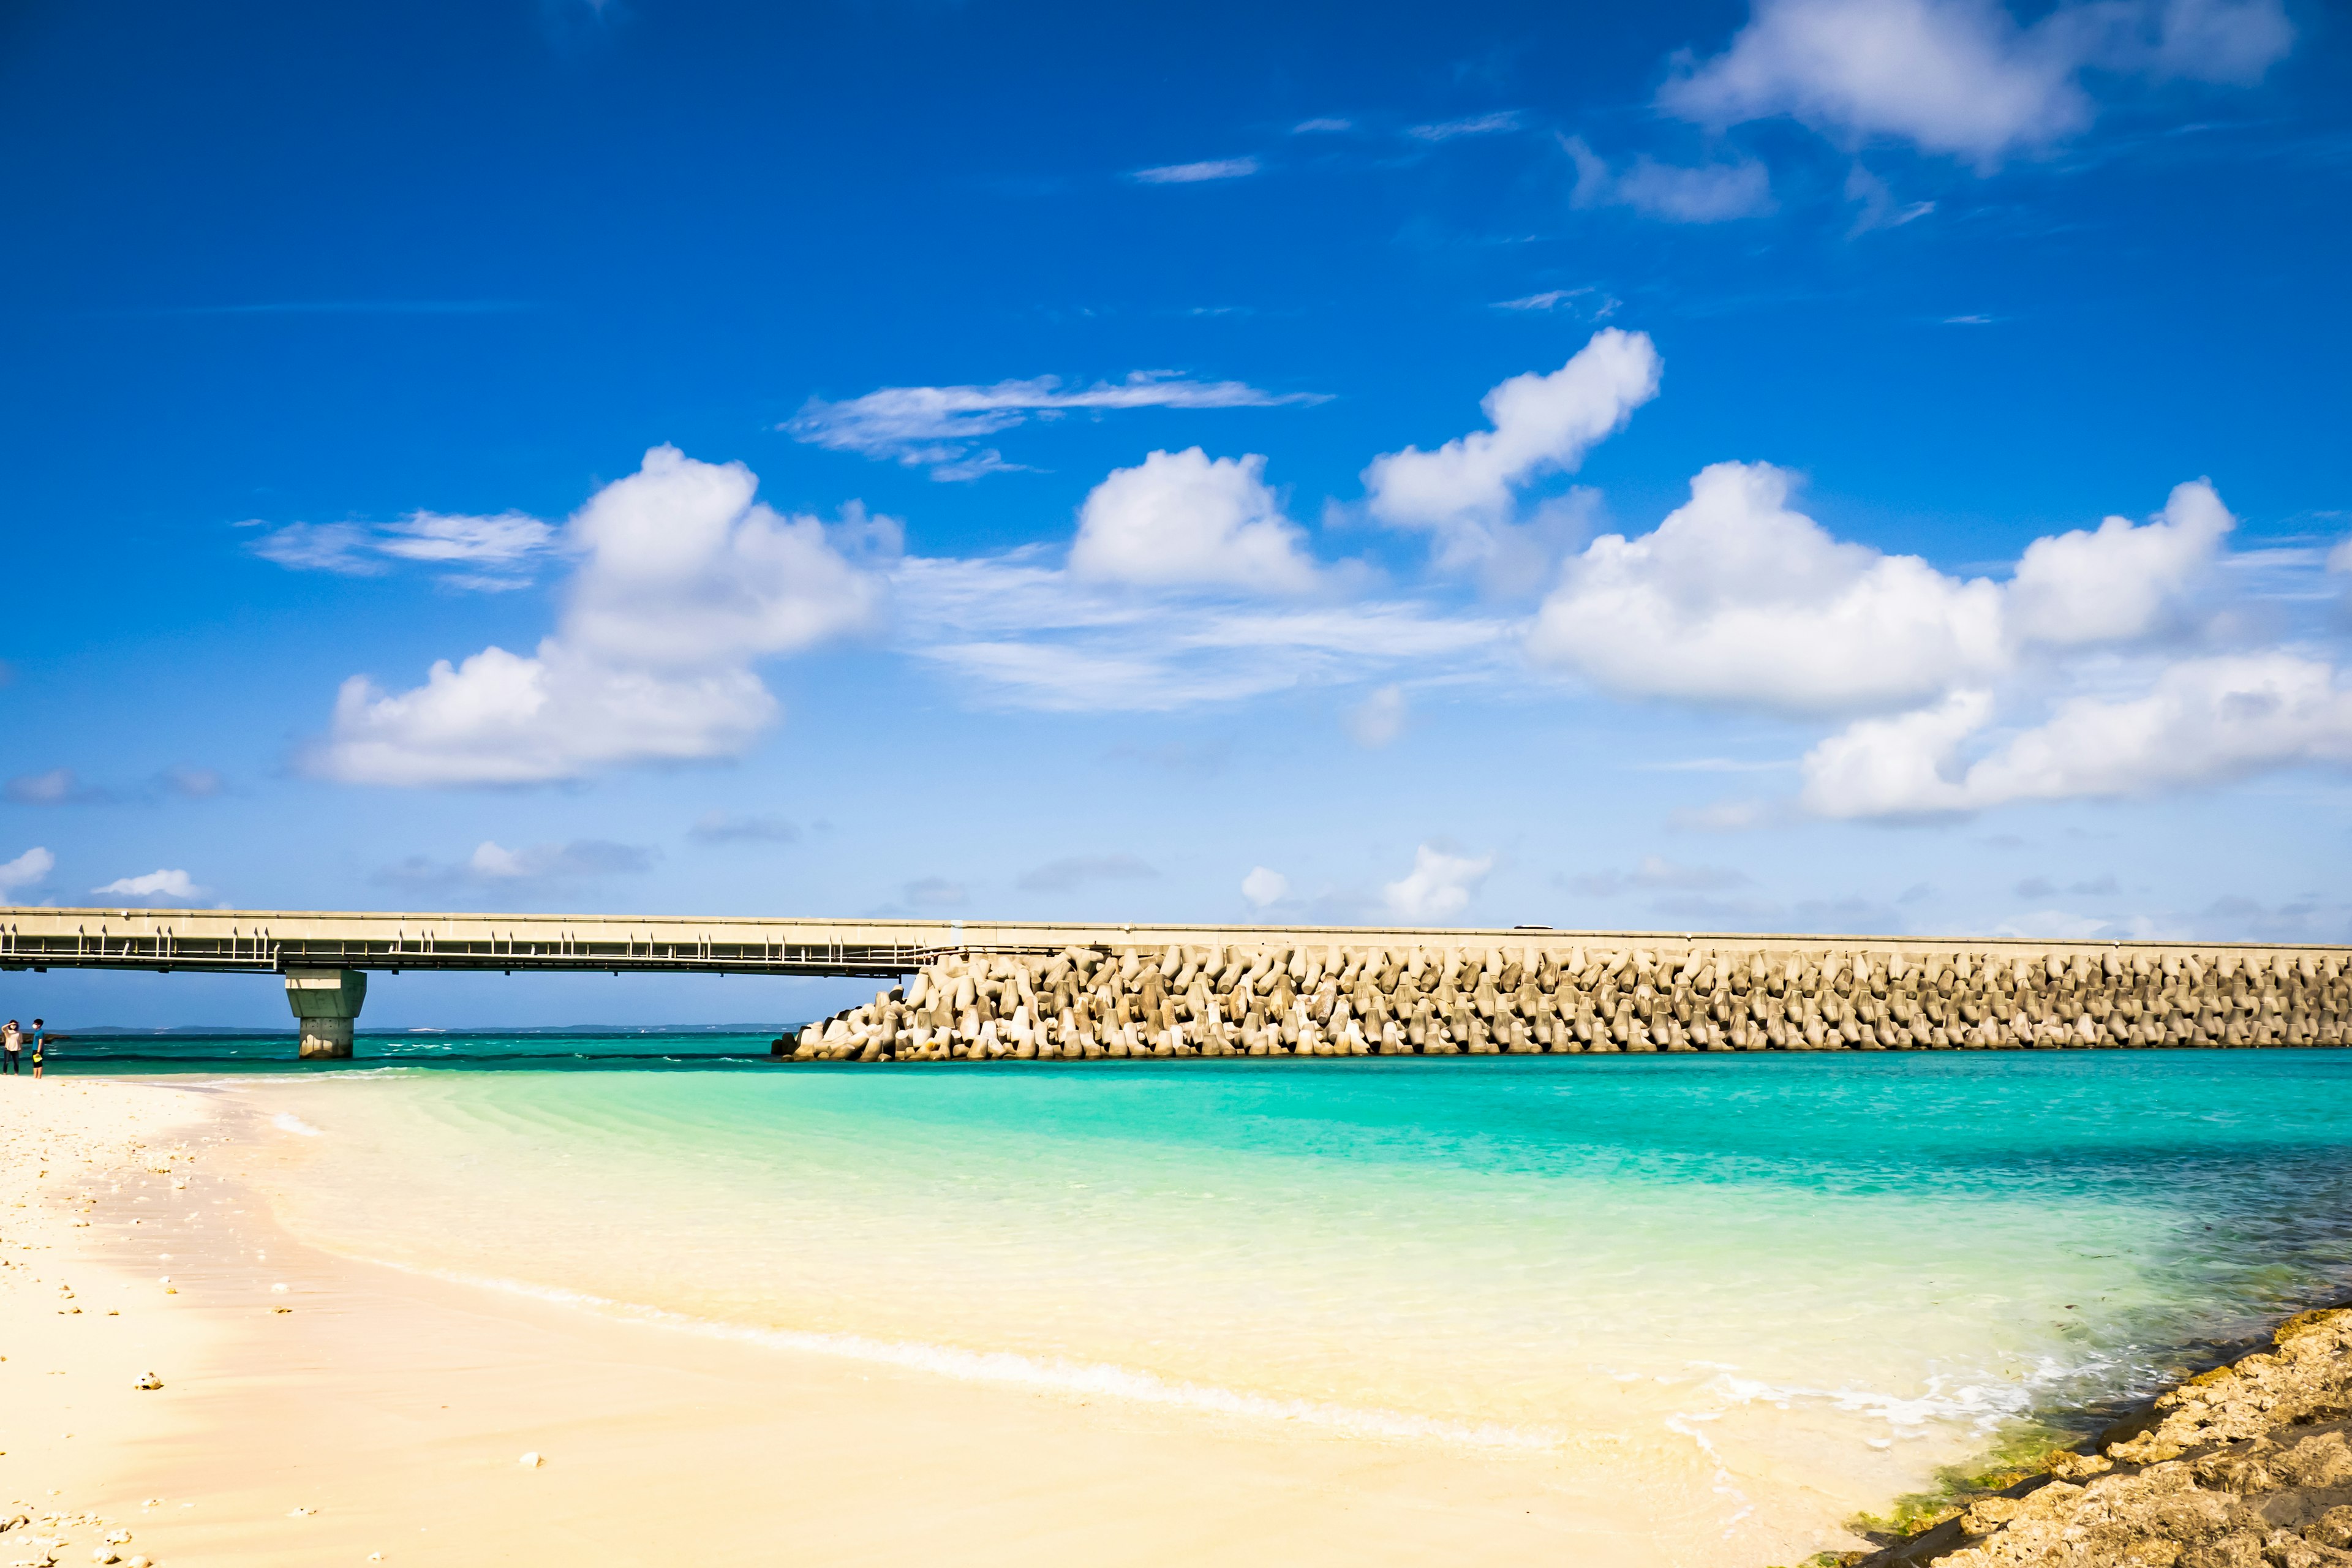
324,957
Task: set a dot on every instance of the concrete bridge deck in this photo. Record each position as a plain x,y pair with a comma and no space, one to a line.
324,956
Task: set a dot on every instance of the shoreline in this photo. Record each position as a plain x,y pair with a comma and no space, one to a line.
356,1361
2226,1462
364,1410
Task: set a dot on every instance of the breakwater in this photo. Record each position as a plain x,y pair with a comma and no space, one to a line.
1551,997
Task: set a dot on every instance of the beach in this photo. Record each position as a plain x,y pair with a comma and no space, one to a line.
381,1412
874,1320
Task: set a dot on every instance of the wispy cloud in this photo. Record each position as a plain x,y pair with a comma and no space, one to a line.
939,428
57,786
497,549
1707,193
1025,635
726,827
1194,173
1589,299
533,868
63,787
1322,125
1494,124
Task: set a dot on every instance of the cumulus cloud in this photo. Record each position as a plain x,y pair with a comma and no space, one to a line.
1264,887
1963,77
1187,518
2119,580
1194,173
1439,885
1708,193
1379,718
1465,493
939,428
29,869
158,884
499,549
2201,721
683,582
1738,599
1071,870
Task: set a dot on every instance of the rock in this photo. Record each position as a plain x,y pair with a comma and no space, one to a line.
531,1460
148,1380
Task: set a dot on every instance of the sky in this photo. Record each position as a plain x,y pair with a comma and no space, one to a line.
1867,467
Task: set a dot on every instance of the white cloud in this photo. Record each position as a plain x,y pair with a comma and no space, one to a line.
504,545
2341,558
1549,300
27,870
1322,126
158,884
2120,581
1710,193
1438,886
1263,887
938,426
1379,718
1016,632
504,540
1962,76
1472,125
1736,599
683,582
2200,721
1465,493
1186,517
1193,173
339,547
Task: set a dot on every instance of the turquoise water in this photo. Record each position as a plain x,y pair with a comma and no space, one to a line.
1814,1277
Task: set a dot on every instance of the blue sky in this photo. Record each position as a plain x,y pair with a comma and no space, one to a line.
1619,467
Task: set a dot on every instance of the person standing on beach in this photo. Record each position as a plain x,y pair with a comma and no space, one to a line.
12,1039
40,1038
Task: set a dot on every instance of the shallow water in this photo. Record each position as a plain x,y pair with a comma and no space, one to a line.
1835,1271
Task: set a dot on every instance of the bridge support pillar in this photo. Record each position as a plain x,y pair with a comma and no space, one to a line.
327,1003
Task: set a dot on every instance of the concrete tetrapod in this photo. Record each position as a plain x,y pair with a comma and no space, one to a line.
1095,1002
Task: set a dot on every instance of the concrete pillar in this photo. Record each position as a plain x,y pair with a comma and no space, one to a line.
327,1001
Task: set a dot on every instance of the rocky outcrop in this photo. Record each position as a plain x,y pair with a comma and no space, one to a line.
2248,1466
1548,998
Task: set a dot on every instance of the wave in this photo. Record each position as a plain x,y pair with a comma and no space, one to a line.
1101,1379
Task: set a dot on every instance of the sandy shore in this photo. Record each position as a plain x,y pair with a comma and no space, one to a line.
361,1410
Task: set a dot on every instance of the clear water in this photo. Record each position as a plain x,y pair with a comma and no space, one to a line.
1815,1277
